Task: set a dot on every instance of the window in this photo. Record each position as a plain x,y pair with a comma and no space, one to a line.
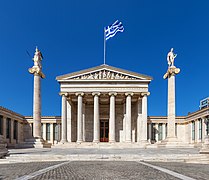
8,129
15,130
56,132
160,130
193,130
47,131
200,129
1,125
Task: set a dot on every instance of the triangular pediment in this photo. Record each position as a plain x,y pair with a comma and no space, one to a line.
104,72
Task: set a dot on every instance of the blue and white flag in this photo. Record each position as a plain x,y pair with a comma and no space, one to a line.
112,30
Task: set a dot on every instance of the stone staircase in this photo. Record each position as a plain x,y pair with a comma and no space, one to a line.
31,143
186,158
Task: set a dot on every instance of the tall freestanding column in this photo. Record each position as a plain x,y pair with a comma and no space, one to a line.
128,116
112,117
96,117
170,75
38,74
80,118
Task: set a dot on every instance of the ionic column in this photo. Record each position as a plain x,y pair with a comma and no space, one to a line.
80,118
150,132
139,119
156,132
52,133
196,131
44,131
69,121
124,122
144,117
112,117
84,127
64,118
128,116
96,117
12,131
163,133
4,127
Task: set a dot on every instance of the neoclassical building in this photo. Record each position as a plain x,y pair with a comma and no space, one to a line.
103,104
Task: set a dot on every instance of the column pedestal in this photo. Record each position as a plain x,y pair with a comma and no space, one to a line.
205,146
3,145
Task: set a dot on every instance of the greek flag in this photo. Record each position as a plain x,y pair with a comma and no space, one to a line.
112,30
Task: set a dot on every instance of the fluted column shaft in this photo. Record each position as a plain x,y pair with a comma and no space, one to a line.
171,107
144,118
96,118
80,118
64,118
128,116
37,106
112,118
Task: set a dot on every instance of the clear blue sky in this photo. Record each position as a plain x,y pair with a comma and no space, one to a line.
70,35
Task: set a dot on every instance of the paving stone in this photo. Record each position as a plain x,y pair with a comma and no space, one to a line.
196,171
15,170
102,170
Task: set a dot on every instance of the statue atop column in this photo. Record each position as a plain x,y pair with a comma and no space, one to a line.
37,67
172,70
170,58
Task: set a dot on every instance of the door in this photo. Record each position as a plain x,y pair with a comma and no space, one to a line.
104,131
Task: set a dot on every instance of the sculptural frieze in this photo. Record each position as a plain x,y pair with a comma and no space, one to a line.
104,75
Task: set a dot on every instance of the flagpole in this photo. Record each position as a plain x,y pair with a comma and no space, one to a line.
104,46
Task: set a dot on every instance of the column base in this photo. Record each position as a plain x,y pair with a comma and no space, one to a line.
63,141
79,141
172,142
205,146
3,145
96,141
111,141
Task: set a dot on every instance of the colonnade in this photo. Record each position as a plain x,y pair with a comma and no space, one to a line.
67,117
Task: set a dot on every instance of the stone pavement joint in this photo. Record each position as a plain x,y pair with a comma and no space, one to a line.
172,173
42,171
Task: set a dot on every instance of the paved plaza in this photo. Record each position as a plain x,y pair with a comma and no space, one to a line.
103,170
86,163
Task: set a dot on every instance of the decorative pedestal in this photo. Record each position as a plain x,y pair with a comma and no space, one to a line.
3,145
205,146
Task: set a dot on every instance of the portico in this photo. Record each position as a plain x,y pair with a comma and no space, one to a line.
104,104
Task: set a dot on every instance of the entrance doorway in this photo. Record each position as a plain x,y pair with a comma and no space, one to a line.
104,130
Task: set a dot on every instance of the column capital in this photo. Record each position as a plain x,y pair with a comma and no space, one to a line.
63,94
96,94
145,94
129,93
79,94
112,94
